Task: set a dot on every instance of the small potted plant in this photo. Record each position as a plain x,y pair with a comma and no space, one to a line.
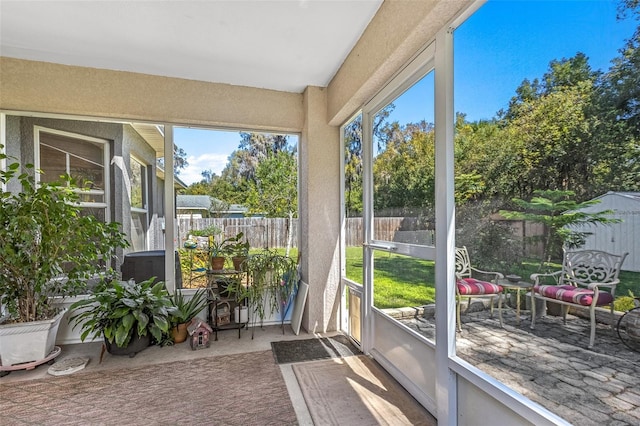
217,253
239,251
185,309
48,251
126,314
220,249
215,248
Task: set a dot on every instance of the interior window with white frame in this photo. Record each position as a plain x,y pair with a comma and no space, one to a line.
84,158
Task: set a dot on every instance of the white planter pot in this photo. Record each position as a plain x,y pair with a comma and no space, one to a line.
69,333
241,314
28,341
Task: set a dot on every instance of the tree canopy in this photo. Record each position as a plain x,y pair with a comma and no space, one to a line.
261,174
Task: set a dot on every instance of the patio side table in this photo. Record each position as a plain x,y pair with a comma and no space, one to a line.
517,286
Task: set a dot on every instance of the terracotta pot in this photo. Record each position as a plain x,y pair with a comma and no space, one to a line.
217,263
238,262
180,333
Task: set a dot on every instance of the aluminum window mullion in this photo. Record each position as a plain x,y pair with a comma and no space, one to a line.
107,180
3,147
367,225
169,210
446,379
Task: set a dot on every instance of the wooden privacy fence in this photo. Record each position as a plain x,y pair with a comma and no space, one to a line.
272,232
260,232
398,229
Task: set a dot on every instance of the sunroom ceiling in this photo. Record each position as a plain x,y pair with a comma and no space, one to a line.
282,45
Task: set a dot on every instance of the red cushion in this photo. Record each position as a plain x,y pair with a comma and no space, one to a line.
571,294
471,286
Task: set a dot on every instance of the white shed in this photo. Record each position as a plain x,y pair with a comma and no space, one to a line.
620,237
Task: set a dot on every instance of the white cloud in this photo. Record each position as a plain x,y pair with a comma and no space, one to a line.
197,164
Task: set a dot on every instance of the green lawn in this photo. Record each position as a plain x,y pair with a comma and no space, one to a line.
401,281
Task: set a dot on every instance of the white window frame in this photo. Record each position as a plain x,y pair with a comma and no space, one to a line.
357,288
37,130
144,211
421,65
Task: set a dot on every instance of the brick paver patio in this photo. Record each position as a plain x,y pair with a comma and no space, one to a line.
552,366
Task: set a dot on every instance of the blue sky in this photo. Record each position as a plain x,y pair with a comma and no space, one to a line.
206,150
503,43
529,35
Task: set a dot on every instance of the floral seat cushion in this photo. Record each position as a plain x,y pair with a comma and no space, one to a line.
471,286
571,294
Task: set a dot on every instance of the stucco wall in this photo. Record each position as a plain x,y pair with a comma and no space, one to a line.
53,88
319,215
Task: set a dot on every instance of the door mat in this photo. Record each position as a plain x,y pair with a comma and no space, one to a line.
357,391
289,351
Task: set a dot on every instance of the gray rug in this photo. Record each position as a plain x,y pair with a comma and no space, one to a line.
286,352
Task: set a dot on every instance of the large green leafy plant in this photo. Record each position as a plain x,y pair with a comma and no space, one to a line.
119,309
47,247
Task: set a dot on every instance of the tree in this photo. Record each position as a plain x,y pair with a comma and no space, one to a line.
618,108
549,131
481,157
255,147
404,172
179,160
275,191
353,158
559,213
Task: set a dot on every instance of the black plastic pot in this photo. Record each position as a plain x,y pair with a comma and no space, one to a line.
137,344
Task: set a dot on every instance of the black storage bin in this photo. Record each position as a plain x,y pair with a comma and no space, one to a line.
142,265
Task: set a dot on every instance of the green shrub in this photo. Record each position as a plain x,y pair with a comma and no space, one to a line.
491,244
624,303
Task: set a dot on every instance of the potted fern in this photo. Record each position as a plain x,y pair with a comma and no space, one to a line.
48,251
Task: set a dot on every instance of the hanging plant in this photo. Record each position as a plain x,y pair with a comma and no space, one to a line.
274,279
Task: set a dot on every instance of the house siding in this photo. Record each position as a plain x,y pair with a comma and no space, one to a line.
123,142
